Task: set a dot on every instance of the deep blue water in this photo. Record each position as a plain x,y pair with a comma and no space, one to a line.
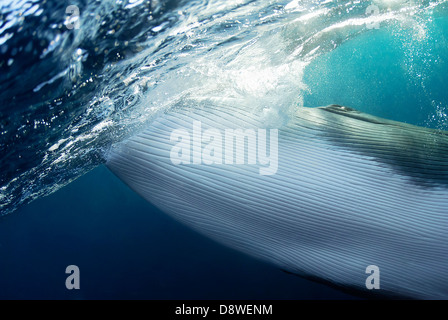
127,249
68,95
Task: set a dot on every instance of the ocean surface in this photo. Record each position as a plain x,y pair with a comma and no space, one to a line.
77,77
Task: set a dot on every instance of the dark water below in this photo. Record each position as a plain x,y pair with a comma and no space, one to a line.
127,249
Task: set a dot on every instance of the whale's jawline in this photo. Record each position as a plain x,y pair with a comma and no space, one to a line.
352,290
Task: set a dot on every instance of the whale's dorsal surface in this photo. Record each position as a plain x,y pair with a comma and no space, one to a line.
418,152
341,191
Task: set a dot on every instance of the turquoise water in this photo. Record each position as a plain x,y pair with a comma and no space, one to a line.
68,95
388,73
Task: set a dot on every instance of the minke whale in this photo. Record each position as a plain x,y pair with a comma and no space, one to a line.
322,192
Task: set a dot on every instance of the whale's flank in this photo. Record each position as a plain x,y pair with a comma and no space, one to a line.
351,190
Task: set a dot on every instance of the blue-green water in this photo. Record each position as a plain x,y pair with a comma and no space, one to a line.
388,73
68,95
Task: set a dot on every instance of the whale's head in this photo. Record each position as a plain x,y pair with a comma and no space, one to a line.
328,194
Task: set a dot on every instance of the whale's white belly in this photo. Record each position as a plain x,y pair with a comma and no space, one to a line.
327,211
